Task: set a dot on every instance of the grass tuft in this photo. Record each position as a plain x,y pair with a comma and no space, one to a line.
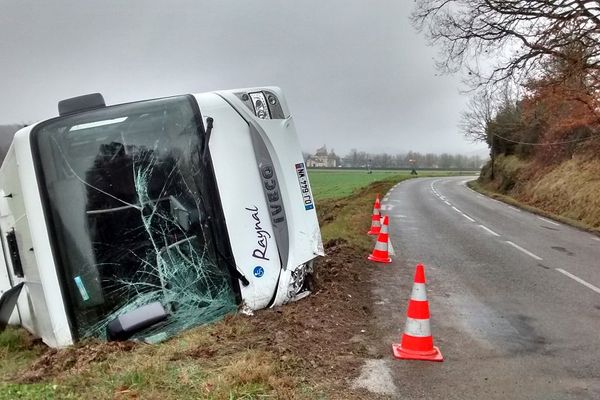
12,340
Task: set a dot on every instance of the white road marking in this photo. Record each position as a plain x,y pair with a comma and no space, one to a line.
447,202
596,238
431,186
578,279
386,198
511,207
463,214
530,254
467,217
489,230
548,221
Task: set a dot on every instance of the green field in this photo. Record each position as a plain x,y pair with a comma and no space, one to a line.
335,183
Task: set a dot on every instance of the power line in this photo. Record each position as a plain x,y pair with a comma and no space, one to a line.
547,144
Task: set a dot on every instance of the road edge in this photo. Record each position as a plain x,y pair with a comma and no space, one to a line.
477,187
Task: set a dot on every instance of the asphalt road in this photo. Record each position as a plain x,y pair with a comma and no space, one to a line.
514,298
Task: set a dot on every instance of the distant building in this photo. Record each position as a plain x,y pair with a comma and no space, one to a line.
322,159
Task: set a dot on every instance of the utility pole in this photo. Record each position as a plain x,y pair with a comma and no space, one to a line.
492,156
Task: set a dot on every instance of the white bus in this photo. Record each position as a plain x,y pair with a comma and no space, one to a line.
143,219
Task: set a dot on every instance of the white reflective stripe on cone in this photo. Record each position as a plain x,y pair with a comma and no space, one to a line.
391,248
417,327
381,246
419,292
384,228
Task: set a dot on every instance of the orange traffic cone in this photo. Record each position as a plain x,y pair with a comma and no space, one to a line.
380,252
375,218
417,342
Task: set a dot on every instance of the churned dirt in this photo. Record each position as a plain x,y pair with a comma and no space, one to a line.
324,337
320,341
312,348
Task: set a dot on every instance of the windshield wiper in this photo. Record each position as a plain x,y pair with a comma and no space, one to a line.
209,128
232,267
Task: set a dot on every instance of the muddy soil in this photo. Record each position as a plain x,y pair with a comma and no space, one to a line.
324,338
328,333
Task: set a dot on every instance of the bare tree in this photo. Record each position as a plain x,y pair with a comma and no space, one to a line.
520,34
475,120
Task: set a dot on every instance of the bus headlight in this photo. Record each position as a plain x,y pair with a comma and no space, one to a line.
259,102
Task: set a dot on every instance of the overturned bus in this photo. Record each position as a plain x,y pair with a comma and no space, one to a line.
141,220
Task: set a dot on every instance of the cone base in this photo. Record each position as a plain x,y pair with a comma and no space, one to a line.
405,354
380,260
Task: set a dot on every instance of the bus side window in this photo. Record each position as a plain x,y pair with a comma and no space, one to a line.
13,248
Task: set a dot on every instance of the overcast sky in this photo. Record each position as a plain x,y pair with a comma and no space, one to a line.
355,73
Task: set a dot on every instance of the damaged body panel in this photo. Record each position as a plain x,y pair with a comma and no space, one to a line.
155,216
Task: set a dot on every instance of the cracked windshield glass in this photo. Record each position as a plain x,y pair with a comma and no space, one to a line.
126,187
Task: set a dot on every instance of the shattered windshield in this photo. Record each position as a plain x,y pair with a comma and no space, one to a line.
131,209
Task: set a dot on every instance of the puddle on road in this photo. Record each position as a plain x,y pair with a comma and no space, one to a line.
563,250
549,228
512,333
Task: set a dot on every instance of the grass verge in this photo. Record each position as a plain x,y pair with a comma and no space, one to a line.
348,218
